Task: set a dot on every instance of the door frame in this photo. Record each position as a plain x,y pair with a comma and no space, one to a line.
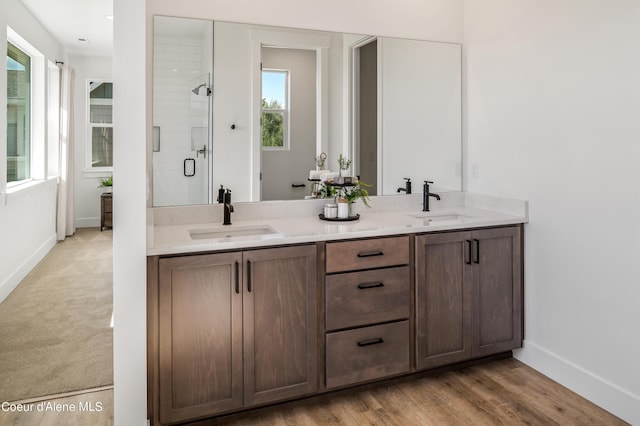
283,39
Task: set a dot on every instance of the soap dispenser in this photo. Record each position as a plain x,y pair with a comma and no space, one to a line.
221,194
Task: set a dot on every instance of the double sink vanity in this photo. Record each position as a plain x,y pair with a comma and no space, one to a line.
281,305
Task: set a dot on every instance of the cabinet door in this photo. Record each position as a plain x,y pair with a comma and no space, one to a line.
443,305
200,335
280,324
497,290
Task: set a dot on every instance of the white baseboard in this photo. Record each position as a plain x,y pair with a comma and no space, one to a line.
598,390
12,281
87,222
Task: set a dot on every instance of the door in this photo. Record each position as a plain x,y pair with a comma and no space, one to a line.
497,290
280,325
198,178
288,122
444,305
200,335
366,114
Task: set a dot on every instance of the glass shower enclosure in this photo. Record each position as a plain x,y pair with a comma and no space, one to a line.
182,68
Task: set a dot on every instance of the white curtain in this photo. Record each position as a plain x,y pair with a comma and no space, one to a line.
65,216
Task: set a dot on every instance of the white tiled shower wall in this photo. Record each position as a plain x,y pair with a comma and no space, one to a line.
178,65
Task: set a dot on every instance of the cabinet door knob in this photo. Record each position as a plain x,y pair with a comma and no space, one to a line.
469,253
370,342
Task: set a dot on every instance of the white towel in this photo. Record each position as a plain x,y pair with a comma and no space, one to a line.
316,174
327,175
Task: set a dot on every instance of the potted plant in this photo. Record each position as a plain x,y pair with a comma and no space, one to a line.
106,183
320,160
350,194
344,164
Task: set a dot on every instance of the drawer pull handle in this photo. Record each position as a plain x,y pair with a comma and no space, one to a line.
370,254
237,278
371,342
249,276
477,259
365,286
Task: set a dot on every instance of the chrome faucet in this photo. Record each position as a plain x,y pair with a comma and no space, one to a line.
426,194
228,207
407,187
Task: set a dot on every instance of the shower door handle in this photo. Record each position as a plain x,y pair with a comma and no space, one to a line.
189,167
202,151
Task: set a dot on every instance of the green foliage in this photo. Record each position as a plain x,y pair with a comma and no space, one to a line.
272,125
353,193
108,182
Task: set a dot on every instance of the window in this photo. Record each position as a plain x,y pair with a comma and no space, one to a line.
18,114
101,123
275,109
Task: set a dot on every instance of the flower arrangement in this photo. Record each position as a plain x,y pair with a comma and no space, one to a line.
353,193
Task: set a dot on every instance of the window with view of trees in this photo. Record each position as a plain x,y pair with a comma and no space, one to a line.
101,123
275,109
18,114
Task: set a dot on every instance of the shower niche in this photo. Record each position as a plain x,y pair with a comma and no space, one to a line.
182,75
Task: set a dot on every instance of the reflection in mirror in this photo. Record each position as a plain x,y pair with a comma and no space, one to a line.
391,105
182,65
288,122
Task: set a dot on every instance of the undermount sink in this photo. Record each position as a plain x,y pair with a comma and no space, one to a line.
440,216
232,231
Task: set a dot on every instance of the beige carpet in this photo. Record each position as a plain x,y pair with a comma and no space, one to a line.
55,333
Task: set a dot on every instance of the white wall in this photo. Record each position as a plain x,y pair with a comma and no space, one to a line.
87,193
553,92
421,108
27,216
429,19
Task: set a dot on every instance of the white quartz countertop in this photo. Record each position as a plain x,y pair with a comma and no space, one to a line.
177,238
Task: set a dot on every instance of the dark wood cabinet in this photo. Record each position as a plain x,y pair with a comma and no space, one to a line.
367,312
280,323
200,336
229,331
235,330
106,210
469,295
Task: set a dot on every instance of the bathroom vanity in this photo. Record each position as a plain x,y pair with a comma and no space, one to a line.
281,308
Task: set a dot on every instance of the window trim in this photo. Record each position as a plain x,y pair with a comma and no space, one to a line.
16,43
90,169
38,116
286,112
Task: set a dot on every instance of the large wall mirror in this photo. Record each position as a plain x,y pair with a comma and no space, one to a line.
250,107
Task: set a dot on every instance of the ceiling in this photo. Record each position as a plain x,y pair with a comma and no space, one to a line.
70,20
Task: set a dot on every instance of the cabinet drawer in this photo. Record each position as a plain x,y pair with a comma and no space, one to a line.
366,254
367,353
360,298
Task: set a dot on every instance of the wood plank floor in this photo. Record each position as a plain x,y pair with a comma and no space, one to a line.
503,392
